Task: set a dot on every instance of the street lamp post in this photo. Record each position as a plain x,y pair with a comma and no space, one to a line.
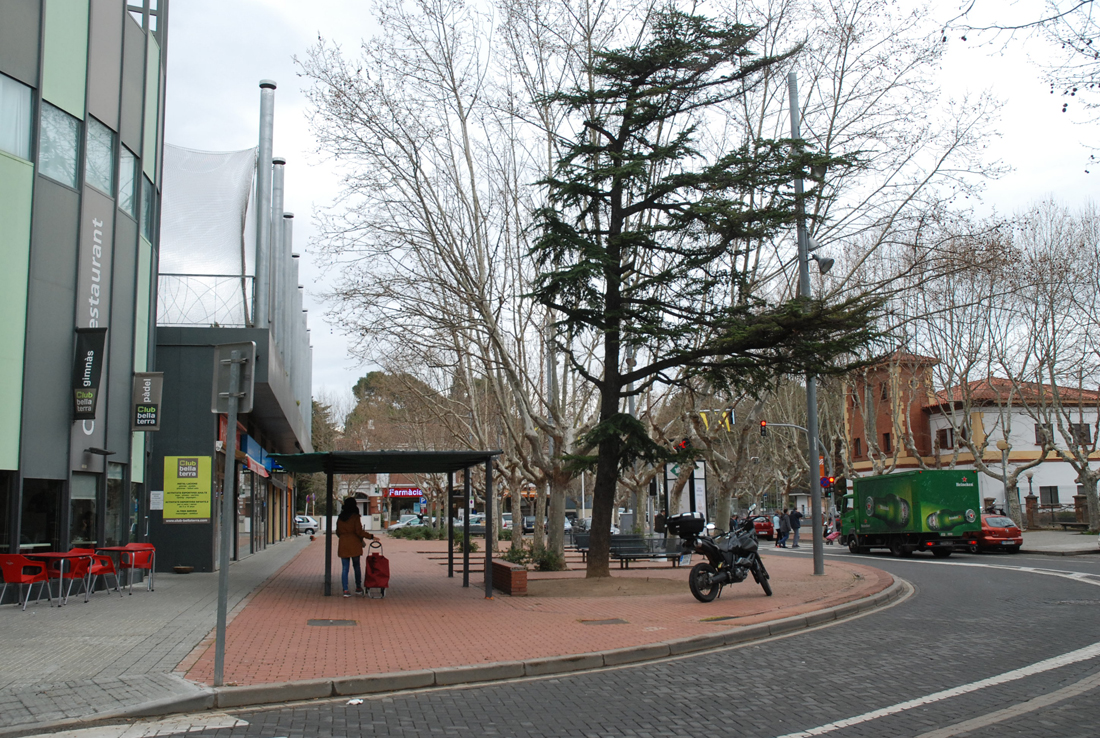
1004,447
811,383
1030,493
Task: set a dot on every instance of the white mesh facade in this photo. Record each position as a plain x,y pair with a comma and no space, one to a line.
207,249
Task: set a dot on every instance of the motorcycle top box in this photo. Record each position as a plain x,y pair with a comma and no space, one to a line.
686,524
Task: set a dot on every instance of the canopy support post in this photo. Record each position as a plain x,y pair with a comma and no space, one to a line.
328,532
490,539
466,527
450,525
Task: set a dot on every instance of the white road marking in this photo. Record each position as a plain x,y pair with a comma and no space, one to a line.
1045,700
147,729
1081,654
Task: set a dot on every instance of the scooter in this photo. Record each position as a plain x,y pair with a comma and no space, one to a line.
731,557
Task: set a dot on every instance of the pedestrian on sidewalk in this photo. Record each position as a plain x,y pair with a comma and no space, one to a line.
352,538
775,528
796,524
784,528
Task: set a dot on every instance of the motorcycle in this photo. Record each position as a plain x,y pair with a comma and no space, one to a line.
731,556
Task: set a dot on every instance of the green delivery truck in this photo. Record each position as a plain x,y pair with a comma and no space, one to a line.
932,510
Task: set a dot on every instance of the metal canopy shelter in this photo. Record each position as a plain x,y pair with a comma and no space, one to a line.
406,462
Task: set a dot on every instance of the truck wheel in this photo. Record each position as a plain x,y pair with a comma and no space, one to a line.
854,547
973,548
941,553
897,548
699,581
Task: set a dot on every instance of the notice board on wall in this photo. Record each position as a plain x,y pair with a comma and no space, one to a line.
187,489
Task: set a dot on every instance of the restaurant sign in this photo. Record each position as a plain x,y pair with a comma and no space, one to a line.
145,401
186,489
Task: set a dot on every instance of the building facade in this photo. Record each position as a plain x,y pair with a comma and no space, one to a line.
81,127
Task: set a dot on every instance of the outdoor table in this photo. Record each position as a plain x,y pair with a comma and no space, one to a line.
112,551
63,558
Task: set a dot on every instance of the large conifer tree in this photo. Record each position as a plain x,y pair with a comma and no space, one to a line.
643,233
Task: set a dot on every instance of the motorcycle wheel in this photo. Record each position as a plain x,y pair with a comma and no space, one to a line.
699,581
761,575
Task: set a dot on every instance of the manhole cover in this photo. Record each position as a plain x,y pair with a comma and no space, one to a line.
718,618
612,621
331,622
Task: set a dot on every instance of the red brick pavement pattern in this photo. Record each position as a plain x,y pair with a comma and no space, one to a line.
430,621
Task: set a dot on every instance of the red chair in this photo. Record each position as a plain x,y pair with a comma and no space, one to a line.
15,569
99,566
140,556
74,570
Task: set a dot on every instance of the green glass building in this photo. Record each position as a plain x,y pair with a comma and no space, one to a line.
82,87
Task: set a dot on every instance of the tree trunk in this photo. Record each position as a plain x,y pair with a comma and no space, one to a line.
555,536
722,509
1088,482
603,502
537,539
517,516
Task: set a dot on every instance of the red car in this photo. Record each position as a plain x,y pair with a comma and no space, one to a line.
764,528
999,533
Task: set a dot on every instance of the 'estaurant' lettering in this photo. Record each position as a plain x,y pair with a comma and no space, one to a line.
97,254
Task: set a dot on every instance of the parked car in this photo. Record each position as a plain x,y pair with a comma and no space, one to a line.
306,524
507,520
529,524
406,521
998,533
764,528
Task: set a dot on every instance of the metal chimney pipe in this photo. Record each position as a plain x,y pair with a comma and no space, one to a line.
286,307
277,293
263,205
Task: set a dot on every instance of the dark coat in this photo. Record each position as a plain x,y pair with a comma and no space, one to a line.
796,520
784,523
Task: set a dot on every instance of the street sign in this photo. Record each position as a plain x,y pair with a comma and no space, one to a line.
219,401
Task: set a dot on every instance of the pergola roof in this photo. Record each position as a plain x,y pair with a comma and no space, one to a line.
383,462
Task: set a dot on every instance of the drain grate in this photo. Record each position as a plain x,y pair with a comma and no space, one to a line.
611,621
331,622
719,618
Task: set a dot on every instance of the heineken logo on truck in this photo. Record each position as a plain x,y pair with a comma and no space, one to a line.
945,519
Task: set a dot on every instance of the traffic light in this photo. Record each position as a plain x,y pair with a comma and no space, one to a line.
683,445
827,484
763,428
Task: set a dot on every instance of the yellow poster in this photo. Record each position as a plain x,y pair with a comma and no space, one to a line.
186,489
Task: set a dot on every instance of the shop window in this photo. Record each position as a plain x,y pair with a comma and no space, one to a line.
82,499
136,530
127,176
40,515
147,214
114,534
59,145
7,489
1048,496
99,157
16,118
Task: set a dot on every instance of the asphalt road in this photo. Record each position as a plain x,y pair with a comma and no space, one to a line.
987,646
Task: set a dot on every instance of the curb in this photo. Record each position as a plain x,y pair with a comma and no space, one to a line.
1078,552
312,689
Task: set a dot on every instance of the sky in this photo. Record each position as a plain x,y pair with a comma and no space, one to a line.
219,50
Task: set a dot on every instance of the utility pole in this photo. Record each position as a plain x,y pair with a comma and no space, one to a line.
811,382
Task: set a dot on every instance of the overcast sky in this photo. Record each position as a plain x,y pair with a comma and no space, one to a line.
218,52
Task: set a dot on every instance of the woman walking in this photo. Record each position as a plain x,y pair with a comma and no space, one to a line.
352,537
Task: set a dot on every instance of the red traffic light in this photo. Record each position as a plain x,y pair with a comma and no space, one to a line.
827,482
763,427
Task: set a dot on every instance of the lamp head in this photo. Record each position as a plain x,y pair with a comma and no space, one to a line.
824,264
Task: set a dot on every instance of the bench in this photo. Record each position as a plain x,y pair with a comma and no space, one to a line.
580,544
1075,526
509,578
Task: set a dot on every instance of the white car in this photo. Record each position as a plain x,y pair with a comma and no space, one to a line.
306,524
406,521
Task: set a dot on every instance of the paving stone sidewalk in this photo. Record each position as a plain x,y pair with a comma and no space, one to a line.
1059,543
112,653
